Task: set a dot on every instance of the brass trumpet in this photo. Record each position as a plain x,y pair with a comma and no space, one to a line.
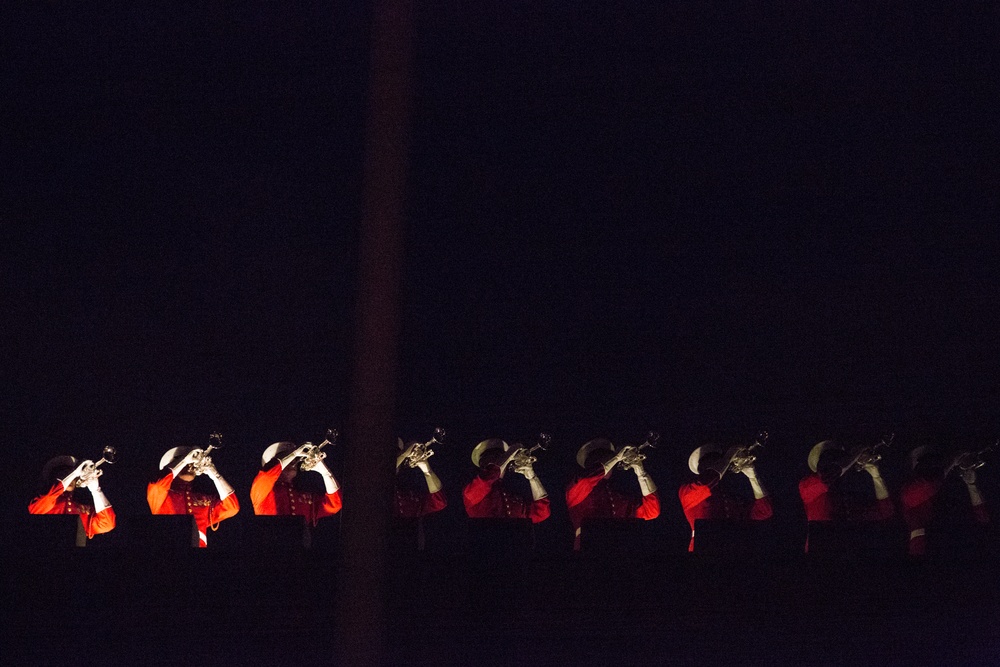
202,461
873,454
421,451
632,455
313,454
744,457
967,461
522,456
93,470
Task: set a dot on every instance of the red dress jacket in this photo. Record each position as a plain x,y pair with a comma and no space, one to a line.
271,496
56,501
174,496
698,502
918,500
409,504
822,505
590,497
486,498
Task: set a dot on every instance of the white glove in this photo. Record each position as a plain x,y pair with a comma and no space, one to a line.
294,454
221,485
758,490
610,464
329,481
433,483
527,470
881,490
100,500
646,484
187,460
68,479
537,490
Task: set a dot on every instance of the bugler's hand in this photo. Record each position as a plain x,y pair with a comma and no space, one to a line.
68,479
208,469
527,470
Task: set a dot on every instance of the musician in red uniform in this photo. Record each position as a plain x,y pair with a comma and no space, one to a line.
411,503
922,500
702,499
590,496
822,493
273,492
61,476
490,496
172,493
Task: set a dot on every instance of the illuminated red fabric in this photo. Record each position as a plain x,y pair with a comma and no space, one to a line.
409,504
590,497
698,502
270,496
823,505
486,498
918,500
56,501
174,496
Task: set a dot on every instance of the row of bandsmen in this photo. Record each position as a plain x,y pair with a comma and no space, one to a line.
710,495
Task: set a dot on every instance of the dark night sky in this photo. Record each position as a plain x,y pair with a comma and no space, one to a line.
624,216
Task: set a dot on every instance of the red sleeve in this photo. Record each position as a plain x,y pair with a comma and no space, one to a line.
581,488
918,492
156,493
262,488
223,509
650,507
540,510
331,504
693,494
435,502
102,522
761,509
475,492
811,487
45,504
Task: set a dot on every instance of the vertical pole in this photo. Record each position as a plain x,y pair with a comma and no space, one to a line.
369,463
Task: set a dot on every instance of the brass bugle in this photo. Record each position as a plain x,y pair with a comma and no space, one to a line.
313,454
872,455
93,470
632,454
422,451
974,460
202,460
522,456
745,457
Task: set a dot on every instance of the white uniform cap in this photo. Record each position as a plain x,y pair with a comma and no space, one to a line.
173,454
276,449
591,445
491,443
694,460
817,451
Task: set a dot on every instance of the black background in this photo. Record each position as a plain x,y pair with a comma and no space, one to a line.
698,219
